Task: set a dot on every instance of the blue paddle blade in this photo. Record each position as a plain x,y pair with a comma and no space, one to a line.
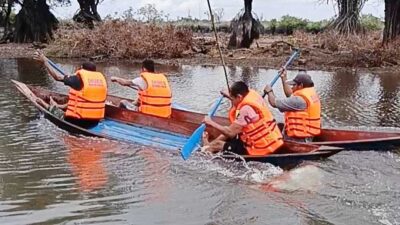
193,142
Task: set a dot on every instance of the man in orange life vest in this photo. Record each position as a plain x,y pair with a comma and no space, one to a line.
302,107
253,130
155,95
87,93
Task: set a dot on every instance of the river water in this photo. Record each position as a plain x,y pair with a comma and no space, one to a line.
50,177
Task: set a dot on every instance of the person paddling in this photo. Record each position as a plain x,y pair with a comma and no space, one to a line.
87,93
253,130
302,107
155,95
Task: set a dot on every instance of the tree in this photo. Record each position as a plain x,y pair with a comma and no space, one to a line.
245,29
392,20
87,13
5,17
348,20
34,22
218,13
150,14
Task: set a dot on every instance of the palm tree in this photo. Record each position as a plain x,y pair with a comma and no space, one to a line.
34,22
245,29
392,20
88,12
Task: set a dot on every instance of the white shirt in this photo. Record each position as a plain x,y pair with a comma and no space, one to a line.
140,83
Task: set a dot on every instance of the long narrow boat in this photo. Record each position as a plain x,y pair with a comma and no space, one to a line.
362,140
185,122
168,133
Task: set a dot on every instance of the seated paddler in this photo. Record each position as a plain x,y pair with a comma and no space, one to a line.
154,97
253,130
87,93
301,107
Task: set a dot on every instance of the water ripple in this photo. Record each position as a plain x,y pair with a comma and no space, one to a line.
48,176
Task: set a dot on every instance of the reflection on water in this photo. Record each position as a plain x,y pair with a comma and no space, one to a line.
50,177
86,162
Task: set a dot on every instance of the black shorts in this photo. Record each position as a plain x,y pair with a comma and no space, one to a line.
83,123
236,146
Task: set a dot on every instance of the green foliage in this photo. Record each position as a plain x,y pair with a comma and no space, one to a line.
290,23
372,23
315,27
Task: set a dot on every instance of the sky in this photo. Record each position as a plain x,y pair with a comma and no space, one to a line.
313,10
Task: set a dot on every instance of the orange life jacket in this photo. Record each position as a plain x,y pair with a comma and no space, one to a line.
89,102
262,137
156,99
306,123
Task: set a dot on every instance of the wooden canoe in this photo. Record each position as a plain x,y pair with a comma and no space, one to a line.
179,127
362,140
186,121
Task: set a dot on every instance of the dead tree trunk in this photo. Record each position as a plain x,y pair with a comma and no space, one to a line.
87,13
34,22
348,21
392,20
245,29
7,32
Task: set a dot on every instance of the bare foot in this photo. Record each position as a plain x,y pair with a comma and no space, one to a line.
205,149
108,102
52,102
205,138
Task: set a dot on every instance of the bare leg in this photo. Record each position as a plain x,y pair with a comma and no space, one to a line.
127,105
42,103
215,146
54,103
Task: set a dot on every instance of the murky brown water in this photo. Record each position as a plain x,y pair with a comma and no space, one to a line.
50,177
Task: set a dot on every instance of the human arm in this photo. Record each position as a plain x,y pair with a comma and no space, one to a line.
138,83
121,81
228,131
40,57
291,104
286,88
271,96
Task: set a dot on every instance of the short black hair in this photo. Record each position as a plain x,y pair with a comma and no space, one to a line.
239,88
89,66
148,64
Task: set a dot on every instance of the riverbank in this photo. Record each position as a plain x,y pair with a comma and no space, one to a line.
319,52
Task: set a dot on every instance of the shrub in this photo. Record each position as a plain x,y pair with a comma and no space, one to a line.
121,39
371,23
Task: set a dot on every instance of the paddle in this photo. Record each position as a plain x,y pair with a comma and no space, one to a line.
194,140
295,53
56,67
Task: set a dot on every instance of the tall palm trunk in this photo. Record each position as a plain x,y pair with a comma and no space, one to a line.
34,22
87,13
7,32
245,29
392,20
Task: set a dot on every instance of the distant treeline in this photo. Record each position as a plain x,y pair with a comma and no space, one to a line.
285,25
